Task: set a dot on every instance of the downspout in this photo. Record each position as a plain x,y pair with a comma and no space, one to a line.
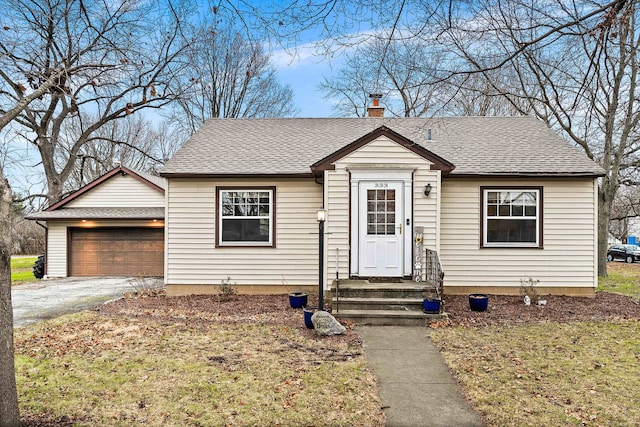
46,245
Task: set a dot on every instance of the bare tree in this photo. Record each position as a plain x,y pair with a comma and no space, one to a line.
134,142
625,213
476,95
582,80
58,57
9,414
408,73
116,59
229,75
401,70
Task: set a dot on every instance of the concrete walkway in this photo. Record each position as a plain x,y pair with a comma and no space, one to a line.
46,299
416,386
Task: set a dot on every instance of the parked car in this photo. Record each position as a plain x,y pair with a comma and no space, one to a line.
627,253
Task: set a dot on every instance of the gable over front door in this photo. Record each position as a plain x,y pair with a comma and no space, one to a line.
381,223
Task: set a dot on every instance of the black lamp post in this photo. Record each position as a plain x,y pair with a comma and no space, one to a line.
322,216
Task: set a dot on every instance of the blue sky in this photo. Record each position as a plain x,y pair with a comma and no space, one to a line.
303,73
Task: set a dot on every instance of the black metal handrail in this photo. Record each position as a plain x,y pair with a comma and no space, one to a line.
433,271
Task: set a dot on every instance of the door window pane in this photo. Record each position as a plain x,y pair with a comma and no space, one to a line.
381,212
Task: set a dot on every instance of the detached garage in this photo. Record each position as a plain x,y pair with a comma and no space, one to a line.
114,226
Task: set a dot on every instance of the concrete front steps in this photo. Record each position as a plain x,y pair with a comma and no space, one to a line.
391,304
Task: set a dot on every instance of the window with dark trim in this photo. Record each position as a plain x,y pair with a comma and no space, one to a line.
511,217
245,216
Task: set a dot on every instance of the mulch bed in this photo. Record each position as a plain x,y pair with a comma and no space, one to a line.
511,309
275,309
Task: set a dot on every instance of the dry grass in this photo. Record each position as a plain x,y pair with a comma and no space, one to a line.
90,369
622,279
553,373
580,373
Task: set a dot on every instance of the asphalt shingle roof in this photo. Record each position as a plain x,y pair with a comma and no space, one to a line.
475,145
99,213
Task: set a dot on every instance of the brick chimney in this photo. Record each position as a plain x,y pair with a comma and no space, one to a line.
375,110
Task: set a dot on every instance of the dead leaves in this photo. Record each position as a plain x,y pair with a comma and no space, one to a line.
580,373
510,310
194,361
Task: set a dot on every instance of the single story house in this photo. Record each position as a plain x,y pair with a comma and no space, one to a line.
499,198
113,226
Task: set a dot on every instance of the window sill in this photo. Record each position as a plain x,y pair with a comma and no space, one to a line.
247,245
506,246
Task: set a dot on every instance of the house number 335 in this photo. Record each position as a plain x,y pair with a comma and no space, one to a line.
381,185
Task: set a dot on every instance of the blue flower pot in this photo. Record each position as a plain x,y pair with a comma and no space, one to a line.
431,305
478,302
308,312
298,299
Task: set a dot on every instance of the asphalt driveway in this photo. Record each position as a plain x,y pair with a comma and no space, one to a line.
46,299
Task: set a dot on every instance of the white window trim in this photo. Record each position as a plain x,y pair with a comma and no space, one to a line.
485,218
268,243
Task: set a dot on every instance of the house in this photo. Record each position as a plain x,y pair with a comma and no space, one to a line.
113,226
499,198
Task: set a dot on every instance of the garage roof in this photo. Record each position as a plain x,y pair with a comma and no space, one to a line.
64,210
100,213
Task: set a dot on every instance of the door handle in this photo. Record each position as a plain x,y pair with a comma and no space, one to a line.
400,228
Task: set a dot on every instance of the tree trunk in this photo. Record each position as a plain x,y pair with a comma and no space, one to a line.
9,415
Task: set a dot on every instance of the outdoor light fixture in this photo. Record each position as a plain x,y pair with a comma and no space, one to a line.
84,220
322,216
427,190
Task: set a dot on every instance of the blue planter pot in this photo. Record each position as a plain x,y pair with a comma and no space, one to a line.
478,302
431,306
308,312
298,299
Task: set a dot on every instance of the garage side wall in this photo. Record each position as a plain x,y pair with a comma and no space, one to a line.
565,265
57,249
196,266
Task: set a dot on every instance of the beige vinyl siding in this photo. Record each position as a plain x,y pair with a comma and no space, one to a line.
568,258
337,195
193,259
425,209
120,191
57,240
57,249
381,153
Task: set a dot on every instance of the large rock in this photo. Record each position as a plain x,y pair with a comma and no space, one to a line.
325,324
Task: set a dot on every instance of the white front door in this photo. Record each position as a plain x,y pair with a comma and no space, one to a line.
380,230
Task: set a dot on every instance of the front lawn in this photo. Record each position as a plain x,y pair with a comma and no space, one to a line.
579,373
622,279
184,361
539,366
22,270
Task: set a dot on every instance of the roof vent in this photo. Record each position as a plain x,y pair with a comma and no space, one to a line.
375,110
